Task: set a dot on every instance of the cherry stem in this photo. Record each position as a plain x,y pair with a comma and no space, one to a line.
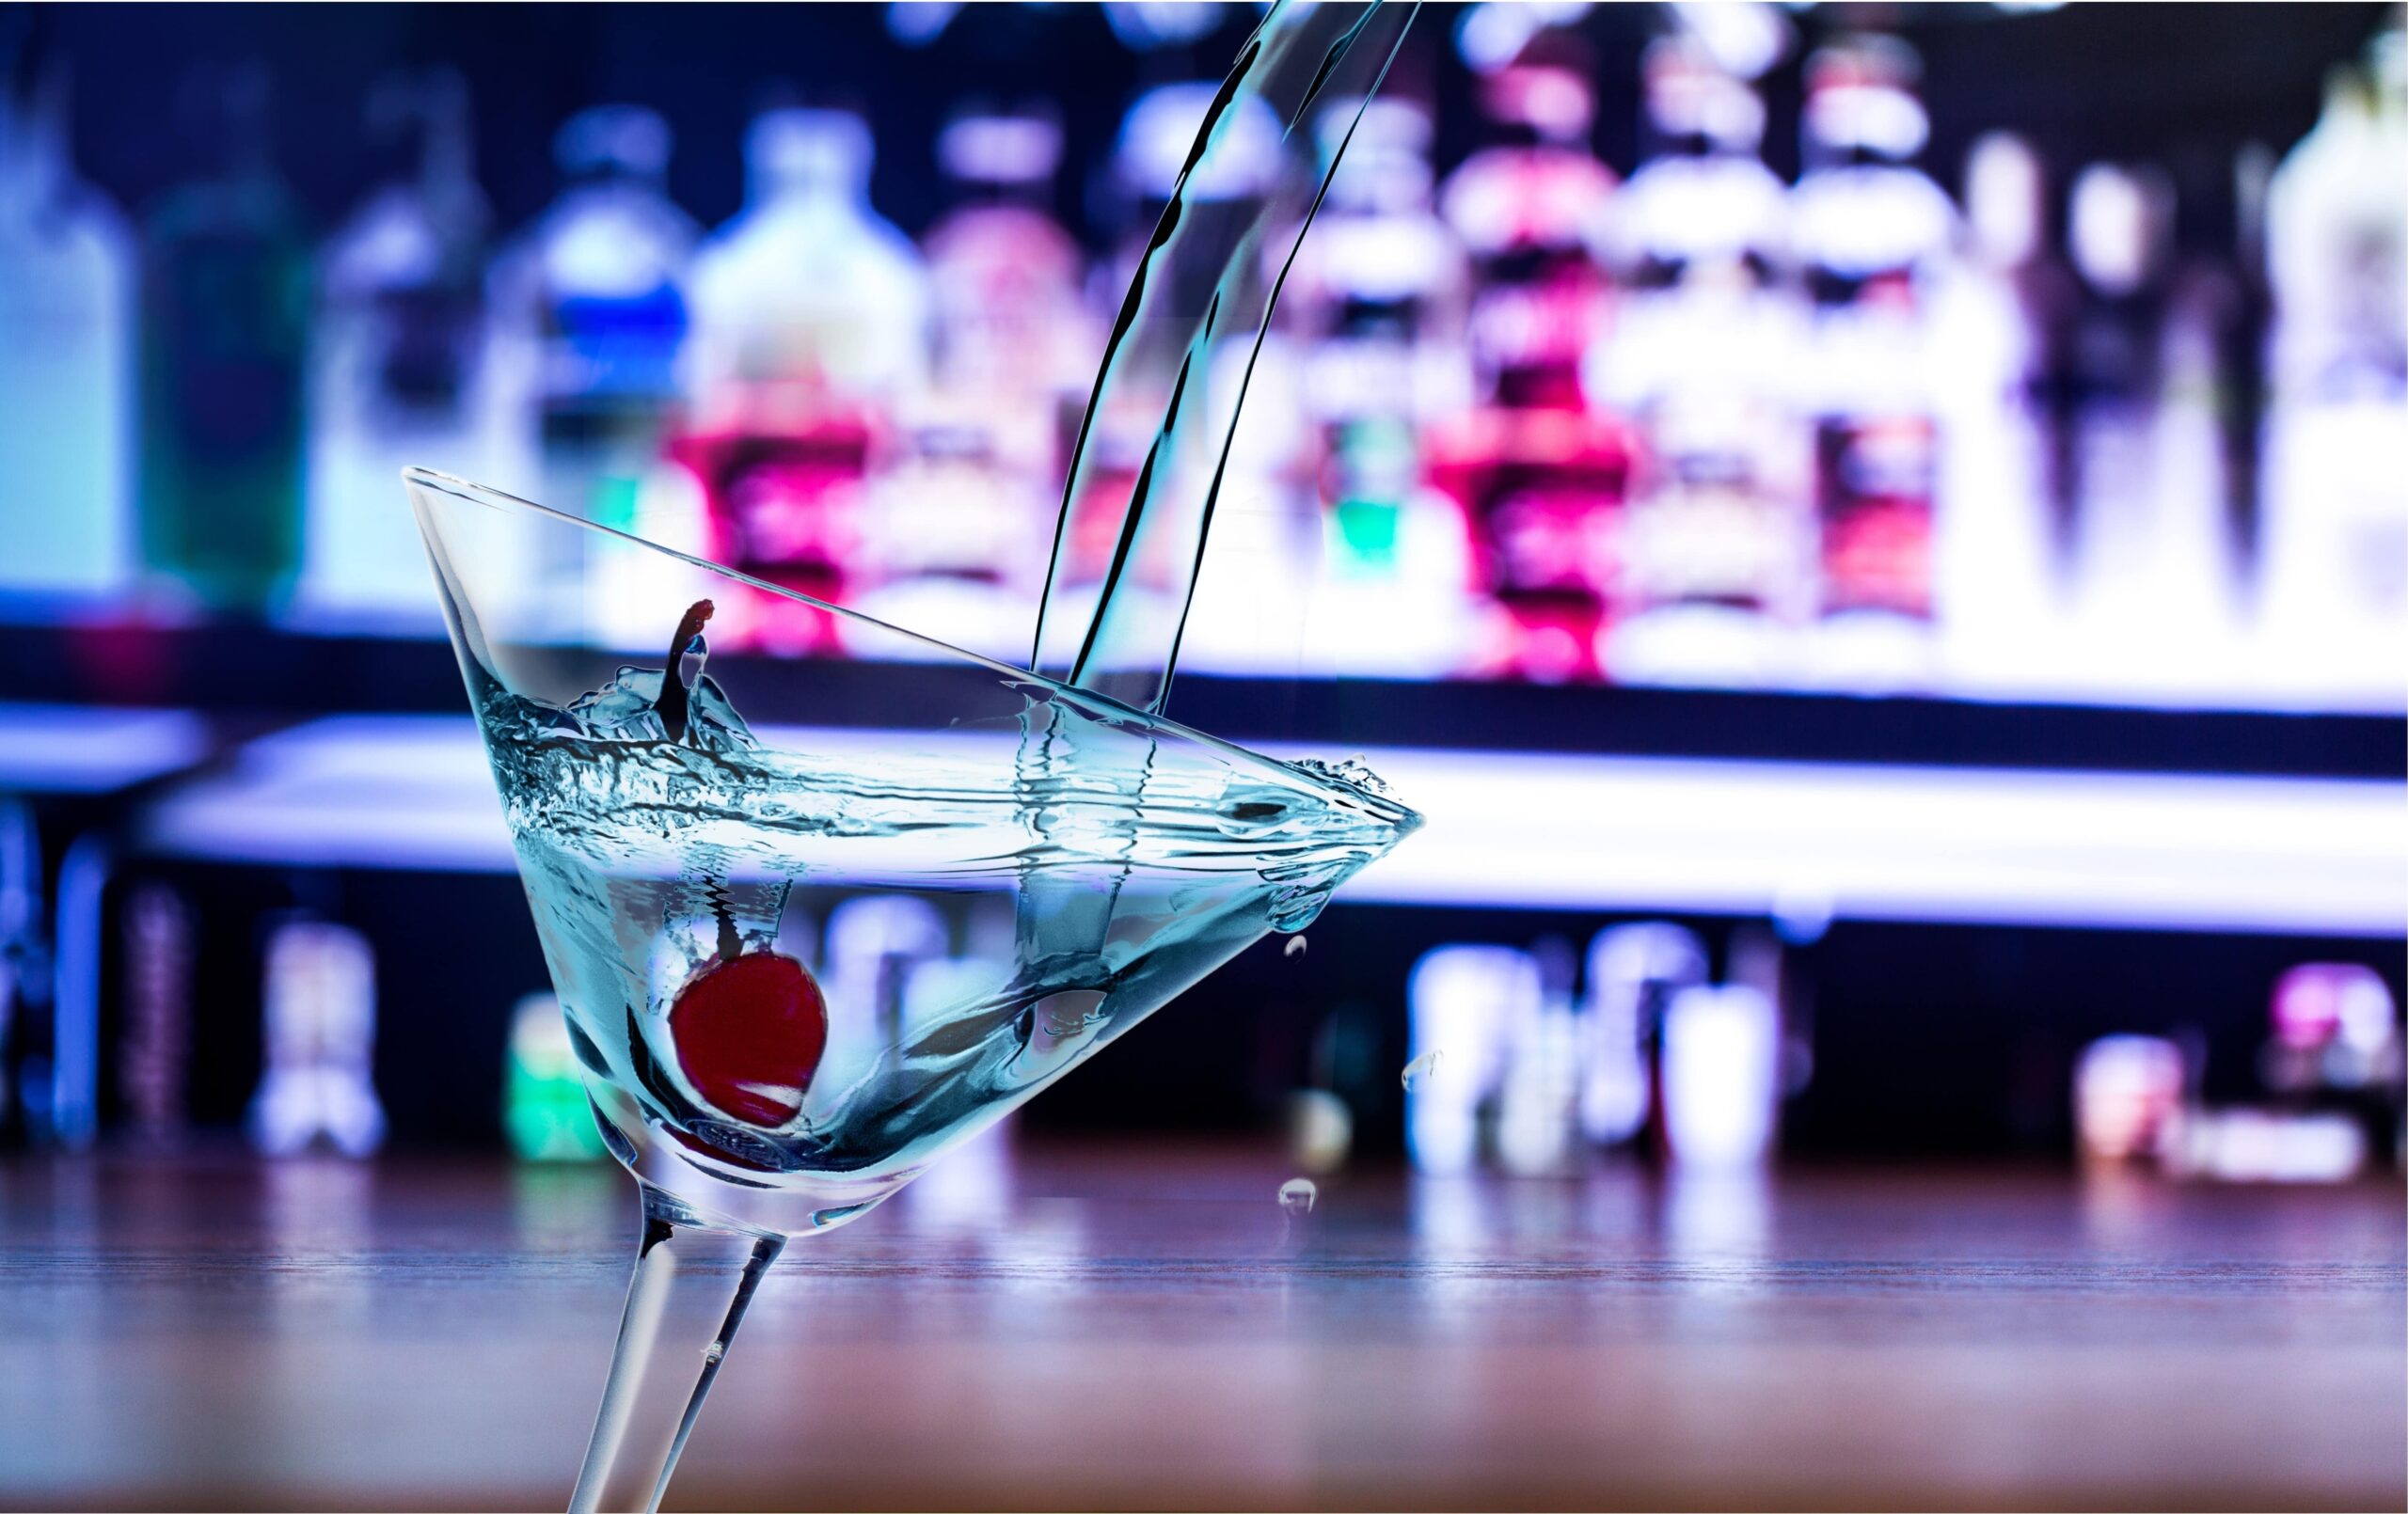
673,703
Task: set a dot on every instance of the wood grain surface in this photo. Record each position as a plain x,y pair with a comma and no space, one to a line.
1141,1327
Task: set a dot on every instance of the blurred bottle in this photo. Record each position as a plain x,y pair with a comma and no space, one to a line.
66,377
962,514
1871,234
2146,529
590,314
398,370
544,1101
317,1088
1541,477
2334,586
1378,293
2007,412
812,325
224,322
1011,321
1706,331
1461,1003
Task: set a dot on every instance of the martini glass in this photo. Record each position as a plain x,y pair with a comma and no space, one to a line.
664,841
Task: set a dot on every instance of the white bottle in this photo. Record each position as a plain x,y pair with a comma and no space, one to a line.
397,375
808,296
2334,596
66,376
2002,624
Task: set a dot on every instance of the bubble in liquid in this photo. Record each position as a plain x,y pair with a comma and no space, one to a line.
1296,1195
1295,947
1420,1070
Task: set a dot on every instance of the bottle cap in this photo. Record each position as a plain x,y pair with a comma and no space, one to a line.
799,145
628,139
1000,148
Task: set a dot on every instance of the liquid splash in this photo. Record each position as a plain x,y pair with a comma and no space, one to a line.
1420,1070
1096,628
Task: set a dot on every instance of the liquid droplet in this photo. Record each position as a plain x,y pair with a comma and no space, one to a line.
1296,1195
713,1350
1419,1069
1295,947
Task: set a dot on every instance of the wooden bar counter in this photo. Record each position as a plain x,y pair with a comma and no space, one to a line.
1123,1325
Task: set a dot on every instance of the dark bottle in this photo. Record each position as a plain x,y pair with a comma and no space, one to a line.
225,325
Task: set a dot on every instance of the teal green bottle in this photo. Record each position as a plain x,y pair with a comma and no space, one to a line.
225,331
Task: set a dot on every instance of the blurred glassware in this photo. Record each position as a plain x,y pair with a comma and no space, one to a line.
154,1050
1721,1076
25,962
1634,971
317,1086
1871,235
66,367
1462,1004
1538,1103
2128,1097
1540,476
225,330
398,372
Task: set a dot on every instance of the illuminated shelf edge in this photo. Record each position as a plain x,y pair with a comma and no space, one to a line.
2309,855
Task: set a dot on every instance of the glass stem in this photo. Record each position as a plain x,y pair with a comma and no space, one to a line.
693,1280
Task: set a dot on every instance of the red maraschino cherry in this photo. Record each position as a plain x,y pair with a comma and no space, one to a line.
749,1027
749,1034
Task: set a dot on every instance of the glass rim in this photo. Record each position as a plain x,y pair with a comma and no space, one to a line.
471,492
